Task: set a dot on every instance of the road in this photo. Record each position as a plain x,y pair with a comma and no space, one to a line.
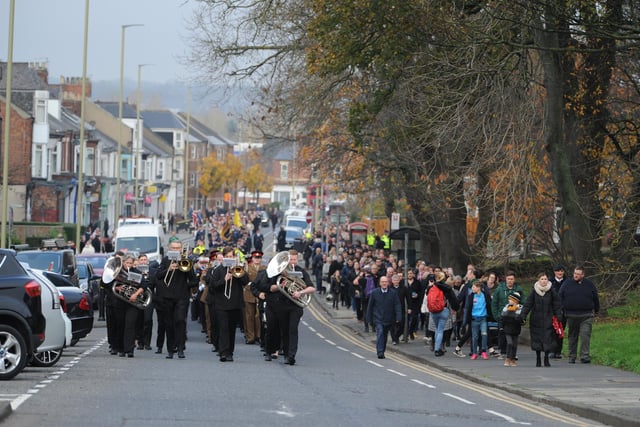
337,380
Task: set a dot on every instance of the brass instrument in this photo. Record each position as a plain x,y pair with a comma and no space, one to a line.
126,283
236,269
184,263
290,281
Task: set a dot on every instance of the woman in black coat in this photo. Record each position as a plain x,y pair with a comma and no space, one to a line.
543,303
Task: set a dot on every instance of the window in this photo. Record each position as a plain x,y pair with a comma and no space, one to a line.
89,161
41,111
219,154
160,174
38,161
124,168
146,173
284,170
192,180
178,168
178,140
194,151
54,166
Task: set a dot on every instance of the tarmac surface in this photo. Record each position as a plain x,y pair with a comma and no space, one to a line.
606,395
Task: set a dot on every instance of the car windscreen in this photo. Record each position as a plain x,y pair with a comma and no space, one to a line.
140,244
49,261
83,271
297,223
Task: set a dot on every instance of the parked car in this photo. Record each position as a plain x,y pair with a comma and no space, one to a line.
61,261
264,218
58,332
22,324
89,281
97,261
77,305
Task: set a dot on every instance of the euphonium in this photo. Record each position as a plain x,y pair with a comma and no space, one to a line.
288,282
127,283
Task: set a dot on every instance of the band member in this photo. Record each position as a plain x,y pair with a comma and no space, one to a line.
226,289
251,313
144,327
286,315
107,282
173,290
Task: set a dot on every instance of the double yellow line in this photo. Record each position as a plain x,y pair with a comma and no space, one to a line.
322,317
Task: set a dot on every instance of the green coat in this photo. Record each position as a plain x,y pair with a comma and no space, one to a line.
500,298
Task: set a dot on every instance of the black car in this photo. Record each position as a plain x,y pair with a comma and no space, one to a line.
78,306
61,261
22,324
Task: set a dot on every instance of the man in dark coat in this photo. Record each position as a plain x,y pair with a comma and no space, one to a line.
581,304
383,311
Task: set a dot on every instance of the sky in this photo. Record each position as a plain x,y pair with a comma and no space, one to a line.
52,31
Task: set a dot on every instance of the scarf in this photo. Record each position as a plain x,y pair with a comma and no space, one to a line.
540,290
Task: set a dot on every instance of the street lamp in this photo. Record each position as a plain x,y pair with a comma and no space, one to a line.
7,129
138,134
119,155
80,188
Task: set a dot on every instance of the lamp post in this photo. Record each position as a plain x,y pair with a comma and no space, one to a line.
185,207
119,154
138,134
7,130
80,188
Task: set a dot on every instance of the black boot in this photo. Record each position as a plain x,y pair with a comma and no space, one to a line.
546,360
538,361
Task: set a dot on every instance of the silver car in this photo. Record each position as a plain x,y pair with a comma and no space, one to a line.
58,326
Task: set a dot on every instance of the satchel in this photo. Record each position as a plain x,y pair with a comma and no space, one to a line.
423,307
557,327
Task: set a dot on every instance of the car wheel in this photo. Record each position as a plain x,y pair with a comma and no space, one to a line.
46,359
13,352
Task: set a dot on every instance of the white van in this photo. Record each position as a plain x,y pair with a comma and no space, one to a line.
141,238
297,221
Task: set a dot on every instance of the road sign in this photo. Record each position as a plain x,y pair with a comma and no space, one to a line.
395,221
309,217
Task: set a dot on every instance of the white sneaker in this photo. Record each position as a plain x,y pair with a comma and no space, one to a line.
458,352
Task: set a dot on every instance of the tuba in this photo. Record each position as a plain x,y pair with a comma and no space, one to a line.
289,281
128,282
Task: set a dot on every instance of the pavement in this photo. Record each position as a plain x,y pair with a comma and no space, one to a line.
606,395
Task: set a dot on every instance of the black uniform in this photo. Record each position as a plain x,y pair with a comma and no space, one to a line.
227,304
283,317
173,290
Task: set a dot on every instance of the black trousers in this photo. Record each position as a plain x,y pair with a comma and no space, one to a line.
227,321
158,305
126,317
175,313
272,330
289,315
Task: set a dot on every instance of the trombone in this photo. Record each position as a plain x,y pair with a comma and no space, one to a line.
236,269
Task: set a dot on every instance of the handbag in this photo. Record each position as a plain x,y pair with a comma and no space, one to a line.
423,307
557,327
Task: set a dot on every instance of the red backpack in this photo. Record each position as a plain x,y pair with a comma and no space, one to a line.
435,300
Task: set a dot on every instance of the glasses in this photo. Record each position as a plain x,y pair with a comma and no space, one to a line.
257,257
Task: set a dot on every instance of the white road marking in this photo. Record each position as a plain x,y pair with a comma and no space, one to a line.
507,418
468,402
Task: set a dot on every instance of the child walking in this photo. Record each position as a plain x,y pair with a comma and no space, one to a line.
477,310
512,326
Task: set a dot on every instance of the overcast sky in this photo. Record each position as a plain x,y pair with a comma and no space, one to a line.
52,31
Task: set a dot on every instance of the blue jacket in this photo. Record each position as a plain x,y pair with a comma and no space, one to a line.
384,307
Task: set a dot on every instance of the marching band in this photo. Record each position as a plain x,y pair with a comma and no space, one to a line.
225,293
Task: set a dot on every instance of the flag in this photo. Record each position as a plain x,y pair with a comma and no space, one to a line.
236,219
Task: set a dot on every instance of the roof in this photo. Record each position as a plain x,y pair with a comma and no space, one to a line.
202,132
161,119
128,112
